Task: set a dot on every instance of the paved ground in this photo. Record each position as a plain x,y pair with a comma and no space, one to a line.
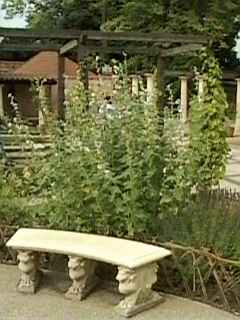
49,304
232,178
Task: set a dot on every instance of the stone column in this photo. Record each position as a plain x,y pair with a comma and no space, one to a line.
135,85
42,100
40,116
184,98
81,271
30,274
200,87
150,86
1,101
237,121
136,285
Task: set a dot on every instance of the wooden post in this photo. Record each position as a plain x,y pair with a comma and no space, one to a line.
184,98
61,87
82,55
237,121
160,89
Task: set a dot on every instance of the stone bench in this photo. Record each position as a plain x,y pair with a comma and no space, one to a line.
136,261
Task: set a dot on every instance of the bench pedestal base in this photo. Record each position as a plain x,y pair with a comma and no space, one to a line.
129,311
136,285
30,273
81,271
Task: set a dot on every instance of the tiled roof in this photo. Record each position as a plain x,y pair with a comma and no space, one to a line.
9,66
45,65
9,76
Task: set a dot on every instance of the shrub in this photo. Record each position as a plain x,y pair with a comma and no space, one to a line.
112,173
209,148
211,220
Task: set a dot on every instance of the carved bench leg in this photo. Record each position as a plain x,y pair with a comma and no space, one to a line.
30,274
136,285
81,271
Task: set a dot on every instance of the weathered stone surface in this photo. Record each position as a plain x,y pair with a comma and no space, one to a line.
136,285
136,274
30,275
81,271
130,254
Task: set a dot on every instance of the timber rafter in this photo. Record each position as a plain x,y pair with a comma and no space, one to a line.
158,44
115,42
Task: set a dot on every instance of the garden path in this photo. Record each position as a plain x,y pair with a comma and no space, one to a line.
232,177
49,304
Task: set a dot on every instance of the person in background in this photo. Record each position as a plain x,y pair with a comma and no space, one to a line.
107,108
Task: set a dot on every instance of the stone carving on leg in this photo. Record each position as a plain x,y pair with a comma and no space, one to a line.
81,271
30,274
136,285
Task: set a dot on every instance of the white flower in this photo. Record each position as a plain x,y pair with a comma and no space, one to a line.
86,149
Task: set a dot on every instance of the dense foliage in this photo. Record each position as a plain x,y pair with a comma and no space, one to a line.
112,173
209,149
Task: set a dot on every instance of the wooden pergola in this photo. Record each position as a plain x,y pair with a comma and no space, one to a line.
82,43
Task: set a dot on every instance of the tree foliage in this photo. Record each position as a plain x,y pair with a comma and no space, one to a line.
52,14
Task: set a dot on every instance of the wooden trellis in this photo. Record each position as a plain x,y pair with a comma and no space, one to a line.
156,44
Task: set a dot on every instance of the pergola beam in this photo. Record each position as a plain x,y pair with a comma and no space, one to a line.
38,34
146,37
185,49
102,35
150,51
73,44
69,46
16,47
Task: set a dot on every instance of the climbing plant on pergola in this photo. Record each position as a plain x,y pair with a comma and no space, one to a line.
155,44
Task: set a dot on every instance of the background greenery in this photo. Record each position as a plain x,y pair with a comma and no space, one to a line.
218,20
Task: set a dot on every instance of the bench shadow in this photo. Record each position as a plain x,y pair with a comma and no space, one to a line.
56,281
59,281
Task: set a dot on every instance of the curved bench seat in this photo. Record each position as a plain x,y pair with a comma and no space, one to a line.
136,261
121,252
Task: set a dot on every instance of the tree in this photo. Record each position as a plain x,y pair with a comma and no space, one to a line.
52,14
